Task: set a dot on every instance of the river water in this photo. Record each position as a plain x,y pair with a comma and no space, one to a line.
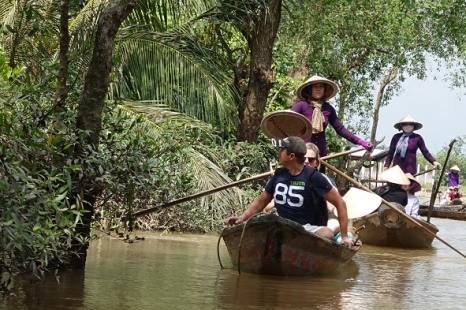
176,271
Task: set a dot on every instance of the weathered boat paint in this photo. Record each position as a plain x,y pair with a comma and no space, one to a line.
273,245
408,235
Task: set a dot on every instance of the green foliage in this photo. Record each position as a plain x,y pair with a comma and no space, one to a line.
37,216
457,157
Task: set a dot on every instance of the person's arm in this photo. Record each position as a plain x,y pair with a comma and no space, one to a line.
449,198
339,127
298,107
334,198
255,207
424,151
270,206
391,151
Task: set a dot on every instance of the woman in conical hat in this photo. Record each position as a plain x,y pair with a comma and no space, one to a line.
393,191
313,94
404,146
454,176
412,208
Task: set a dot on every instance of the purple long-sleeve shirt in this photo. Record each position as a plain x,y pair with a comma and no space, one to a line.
408,164
330,117
454,179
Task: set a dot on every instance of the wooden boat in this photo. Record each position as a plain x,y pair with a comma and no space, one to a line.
393,230
452,212
273,245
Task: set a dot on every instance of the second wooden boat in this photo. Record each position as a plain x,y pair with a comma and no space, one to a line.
452,212
392,230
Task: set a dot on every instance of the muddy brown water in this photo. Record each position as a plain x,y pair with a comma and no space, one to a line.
181,271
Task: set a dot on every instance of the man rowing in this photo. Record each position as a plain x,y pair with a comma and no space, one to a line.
296,191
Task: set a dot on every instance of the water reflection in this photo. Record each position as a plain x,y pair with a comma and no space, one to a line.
274,292
182,271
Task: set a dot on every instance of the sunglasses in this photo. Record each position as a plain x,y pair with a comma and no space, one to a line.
310,159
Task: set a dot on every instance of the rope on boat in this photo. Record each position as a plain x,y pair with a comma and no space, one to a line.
218,251
241,240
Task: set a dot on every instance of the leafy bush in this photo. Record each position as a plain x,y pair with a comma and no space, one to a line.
37,220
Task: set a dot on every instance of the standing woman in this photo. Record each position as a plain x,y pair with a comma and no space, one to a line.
453,176
404,146
314,93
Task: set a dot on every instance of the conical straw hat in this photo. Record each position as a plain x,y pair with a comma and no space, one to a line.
317,79
360,203
395,175
455,167
286,123
408,119
417,187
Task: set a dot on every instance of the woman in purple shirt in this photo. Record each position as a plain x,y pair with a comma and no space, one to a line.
314,93
453,176
404,146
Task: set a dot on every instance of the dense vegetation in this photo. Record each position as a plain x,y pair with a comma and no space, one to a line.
180,105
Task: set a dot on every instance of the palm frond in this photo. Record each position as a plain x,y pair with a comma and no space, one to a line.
166,15
159,113
209,176
29,33
175,70
208,173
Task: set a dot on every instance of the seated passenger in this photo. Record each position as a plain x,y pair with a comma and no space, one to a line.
445,195
412,208
455,195
393,191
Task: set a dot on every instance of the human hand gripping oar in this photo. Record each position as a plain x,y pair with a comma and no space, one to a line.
359,185
220,188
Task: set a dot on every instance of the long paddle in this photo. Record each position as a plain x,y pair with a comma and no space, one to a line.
434,194
359,185
414,175
424,172
220,188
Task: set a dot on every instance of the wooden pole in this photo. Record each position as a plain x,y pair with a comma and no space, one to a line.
432,201
423,172
359,185
204,193
434,194
220,188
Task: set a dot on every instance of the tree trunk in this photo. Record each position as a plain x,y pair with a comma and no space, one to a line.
92,101
96,83
60,92
342,184
388,79
260,39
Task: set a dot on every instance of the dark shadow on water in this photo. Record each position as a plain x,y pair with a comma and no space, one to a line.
47,294
275,292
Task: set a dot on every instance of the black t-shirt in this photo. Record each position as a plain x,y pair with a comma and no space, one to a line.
393,195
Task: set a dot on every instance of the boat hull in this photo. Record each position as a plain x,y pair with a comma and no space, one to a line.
407,235
273,245
445,212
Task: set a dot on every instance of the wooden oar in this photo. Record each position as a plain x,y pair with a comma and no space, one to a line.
221,188
415,175
434,193
204,193
424,172
359,185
